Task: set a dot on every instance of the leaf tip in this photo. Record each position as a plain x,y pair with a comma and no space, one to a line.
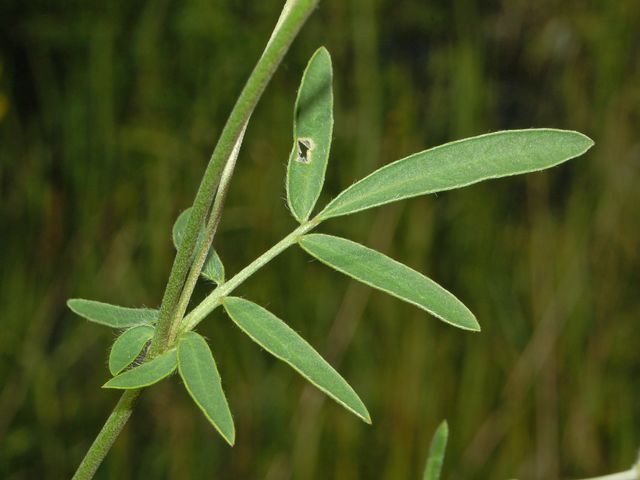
72,304
588,141
322,50
228,436
230,439
475,327
470,324
591,142
362,413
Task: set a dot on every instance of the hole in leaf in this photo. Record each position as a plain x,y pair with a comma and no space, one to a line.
305,148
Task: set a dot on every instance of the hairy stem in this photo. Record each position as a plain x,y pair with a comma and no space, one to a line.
297,11
110,431
218,203
294,15
210,232
213,300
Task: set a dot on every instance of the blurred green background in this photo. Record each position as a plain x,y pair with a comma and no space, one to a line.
108,114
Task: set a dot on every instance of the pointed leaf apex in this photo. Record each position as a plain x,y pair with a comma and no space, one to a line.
322,51
284,343
476,326
230,440
202,381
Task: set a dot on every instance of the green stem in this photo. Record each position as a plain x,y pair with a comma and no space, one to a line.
214,299
123,409
212,227
110,431
218,203
294,15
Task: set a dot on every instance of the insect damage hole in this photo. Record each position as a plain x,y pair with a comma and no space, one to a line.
305,149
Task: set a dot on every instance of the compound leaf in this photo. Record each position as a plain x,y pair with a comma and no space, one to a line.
381,272
112,315
312,130
458,164
284,343
202,380
146,374
128,347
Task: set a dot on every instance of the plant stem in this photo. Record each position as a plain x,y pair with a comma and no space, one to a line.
218,204
214,299
288,26
110,431
294,15
212,226
123,409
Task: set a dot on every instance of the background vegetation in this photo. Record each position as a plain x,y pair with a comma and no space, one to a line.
108,114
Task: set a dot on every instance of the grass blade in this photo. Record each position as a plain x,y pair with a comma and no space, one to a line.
433,467
458,164
284,343
112,315
146,374
202,380
128,347
381,272
312,131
